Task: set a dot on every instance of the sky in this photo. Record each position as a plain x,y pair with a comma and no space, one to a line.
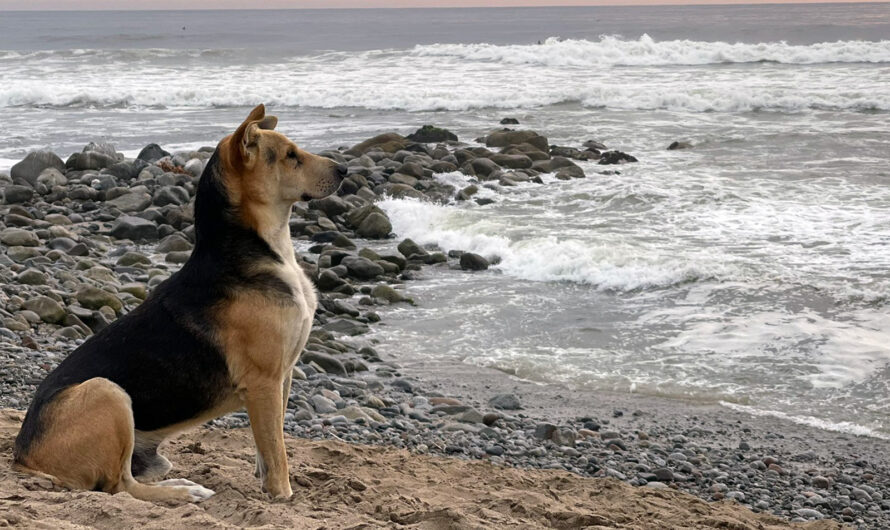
37,5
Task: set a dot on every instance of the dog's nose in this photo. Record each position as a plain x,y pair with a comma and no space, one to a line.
341,171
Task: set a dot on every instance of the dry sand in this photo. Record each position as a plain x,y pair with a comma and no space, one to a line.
338,485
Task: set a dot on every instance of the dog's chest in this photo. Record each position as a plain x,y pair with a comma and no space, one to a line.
298,315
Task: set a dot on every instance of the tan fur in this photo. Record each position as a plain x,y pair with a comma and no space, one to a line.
91,434
89,441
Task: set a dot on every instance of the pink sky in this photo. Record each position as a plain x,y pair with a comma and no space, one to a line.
284,4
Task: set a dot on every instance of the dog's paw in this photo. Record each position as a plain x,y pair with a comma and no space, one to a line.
177,482
200,493
196,492
281,493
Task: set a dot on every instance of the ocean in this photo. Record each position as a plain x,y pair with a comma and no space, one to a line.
751,271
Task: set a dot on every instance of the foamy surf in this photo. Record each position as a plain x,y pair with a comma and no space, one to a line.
611,73
542,259
842,426
614,51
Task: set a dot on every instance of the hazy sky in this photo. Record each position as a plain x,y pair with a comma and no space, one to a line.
281,4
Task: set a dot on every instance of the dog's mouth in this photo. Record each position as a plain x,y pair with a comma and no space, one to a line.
306,197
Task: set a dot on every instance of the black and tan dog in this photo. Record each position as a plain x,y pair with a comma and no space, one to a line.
220,335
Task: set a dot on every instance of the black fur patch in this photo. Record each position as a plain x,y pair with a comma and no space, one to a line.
271,157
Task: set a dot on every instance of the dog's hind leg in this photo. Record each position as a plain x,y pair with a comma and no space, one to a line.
147,464
87,443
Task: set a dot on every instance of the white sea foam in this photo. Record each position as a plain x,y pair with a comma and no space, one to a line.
671,75
812,421
547,258
614,51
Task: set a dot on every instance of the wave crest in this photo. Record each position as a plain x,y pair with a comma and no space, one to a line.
645,51
542,259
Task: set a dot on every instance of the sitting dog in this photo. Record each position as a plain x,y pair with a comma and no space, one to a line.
221,334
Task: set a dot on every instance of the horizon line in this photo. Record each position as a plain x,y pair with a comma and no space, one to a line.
643,3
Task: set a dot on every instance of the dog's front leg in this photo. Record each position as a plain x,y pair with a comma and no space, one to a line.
264,408
261,468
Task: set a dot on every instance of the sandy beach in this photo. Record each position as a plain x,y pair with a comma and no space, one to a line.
342,485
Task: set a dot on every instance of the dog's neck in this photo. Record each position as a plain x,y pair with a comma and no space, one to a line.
221,234
273,227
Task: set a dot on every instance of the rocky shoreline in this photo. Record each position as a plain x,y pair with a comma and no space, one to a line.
85,240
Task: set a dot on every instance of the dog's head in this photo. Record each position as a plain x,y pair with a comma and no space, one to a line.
262,166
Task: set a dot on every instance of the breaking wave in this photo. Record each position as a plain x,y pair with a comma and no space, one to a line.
614,51
542,259
669,75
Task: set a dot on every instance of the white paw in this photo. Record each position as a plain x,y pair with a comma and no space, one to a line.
176,482
200,493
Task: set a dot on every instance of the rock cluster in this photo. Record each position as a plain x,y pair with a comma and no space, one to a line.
86,240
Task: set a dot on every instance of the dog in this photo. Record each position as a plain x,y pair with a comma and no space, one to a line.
221,334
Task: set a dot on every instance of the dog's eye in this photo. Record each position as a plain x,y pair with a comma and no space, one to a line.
292,155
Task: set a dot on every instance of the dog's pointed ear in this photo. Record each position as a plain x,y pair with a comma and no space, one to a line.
244,141
268,123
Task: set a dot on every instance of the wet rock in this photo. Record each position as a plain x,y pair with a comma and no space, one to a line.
409,248
48,309
346,327
48,179
94,298
133,258
509,137
323,405
362,268
564,436
483,168
543,431
16,237
387,142
131,202
26,172
679,145
194,167
594,145
664,474
466,193
329,281
89,160
174,242
473,262
615,157
821,482
328,362
375,226
151,153
573,153
331,205
176,195
385,292
430,134
134,228
808,513
512,161
31,277
15,194
125,171
509,121
570,172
